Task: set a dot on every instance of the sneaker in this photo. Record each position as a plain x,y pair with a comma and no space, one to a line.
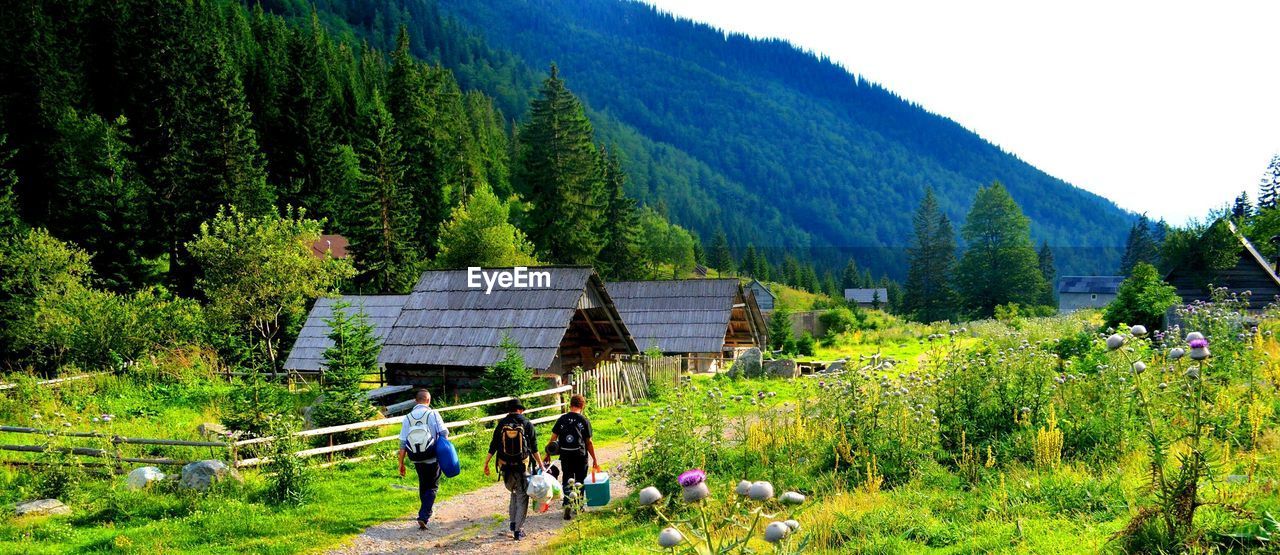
519,535
511,526
422,525
568,513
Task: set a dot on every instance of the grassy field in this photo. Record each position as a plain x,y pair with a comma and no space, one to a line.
345,499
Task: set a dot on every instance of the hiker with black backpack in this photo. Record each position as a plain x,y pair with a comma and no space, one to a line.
514,442
571,436
419,432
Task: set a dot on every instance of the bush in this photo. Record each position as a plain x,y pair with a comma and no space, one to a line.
1143,298
252,404
804,345
838,320
508,377
288,477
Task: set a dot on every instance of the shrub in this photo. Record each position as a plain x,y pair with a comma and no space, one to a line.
1143,298
252,403
838,320
805,345
780,331
288,477
508,377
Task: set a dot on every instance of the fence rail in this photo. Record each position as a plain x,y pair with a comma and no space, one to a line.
54,381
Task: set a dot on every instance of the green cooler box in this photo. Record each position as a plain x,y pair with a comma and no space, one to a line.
596,489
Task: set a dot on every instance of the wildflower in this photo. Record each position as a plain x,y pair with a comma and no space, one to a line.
1191,373
36,416
694,483
618,420
670,537
1139,367
649,496
66,424
793,524
1176,353
776,531
761,491
744,487
1115,342
1138,330
792,498
1199,349
1163,385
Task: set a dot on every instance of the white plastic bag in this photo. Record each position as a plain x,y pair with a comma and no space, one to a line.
544,488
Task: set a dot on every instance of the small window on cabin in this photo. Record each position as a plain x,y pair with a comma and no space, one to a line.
1093,297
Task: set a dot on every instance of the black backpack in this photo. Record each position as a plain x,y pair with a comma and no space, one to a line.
571,440
513,447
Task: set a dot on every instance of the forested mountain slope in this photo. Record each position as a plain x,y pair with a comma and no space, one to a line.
722,126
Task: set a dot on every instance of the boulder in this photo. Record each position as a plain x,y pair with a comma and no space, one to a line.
41,507
200,475
747,364
143,478
837,366
782,368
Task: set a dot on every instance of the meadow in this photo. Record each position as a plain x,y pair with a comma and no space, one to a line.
1031,435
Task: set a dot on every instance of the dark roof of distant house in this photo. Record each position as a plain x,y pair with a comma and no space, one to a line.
381,312
333,245
448,323
677,316
865,296
1103,285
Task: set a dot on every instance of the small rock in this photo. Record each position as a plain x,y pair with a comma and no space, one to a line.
142,478
782,368
42,507
200,475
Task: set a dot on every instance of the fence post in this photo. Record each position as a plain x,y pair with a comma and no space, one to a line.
115,443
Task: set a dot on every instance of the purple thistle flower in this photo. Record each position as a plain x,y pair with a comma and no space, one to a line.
692,478
1198,343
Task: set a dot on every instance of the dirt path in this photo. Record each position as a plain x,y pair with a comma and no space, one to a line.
474,522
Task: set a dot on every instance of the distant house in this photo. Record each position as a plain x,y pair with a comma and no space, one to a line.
868,298
330,245
1251,272
307,354
1082,292
453,322
764,297
703,320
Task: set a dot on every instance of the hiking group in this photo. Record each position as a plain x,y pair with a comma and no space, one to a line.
515,446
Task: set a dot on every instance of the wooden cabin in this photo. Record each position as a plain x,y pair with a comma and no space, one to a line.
450,329
1251,272
1083,292
307,353
705,321
764,297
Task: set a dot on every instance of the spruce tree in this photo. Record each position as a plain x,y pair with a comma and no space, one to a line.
849,277
1269,185
929,296
1000,265
11,224
749,261
1242,209
1139,247
620,258
353,355
721,255
383,218
1048,269
558,174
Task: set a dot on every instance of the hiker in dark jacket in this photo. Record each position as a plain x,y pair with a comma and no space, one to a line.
514,442
572,437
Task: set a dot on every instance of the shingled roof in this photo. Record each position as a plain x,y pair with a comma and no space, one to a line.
448,323
1102,285
867,296
677,316
308,351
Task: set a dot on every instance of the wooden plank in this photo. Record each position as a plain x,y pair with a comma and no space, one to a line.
55,381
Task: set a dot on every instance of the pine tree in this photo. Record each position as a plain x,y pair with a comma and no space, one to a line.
1000,265
101,198
557,172
749,261
383,219
721,255
11,224
1139,247
620,258
1242,209
850,278
1269,185
1048,270
929,296
353,355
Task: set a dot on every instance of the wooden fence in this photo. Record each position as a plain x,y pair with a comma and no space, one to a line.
53,382
232,449
625,381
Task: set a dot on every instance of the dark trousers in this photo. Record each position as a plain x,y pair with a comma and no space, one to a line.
573,468
428,483
515,478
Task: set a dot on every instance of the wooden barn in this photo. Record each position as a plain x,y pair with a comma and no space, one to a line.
703,320
307,354
764,297
1251,272
454,321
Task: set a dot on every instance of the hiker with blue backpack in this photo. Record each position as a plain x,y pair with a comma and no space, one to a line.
421,434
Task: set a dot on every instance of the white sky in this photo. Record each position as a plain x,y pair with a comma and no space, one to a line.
1170,108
